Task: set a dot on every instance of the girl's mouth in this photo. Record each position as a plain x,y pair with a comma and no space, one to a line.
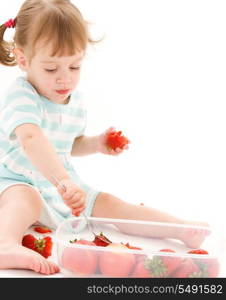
62,92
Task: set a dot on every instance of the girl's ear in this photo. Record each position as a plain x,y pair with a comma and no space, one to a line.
21,58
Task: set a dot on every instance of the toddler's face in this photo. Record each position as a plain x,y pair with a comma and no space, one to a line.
52,76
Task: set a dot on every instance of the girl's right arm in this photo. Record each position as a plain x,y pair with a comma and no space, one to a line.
43,156
40,151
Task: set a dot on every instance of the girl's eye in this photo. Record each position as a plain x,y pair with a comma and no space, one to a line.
53,70
50,70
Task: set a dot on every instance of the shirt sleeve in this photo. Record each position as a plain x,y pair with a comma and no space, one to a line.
20,107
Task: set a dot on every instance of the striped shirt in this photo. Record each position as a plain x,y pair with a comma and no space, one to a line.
61,123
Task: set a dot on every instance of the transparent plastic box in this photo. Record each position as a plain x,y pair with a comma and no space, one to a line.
138,249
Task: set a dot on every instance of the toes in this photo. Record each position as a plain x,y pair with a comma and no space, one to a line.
194,237
48,267
53,268
43,269
36,266
39,265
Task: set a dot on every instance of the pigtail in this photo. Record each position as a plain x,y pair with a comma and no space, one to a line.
7,57
58,21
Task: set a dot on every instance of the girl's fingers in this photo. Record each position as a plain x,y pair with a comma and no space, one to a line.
78,203
110,129
74,193
69,194
77,211
80,209
107,132
76,197
112,151
118,150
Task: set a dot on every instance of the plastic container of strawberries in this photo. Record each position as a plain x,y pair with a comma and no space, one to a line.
138,249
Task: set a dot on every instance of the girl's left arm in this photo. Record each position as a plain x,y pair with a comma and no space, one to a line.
85,145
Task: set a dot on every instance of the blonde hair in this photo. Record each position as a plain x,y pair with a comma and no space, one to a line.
57,22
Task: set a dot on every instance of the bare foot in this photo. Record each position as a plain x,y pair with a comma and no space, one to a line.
19,257
194,237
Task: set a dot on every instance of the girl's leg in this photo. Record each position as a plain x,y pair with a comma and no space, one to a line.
20,207
109,206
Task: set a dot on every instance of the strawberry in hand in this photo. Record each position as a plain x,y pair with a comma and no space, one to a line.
112,142
116,139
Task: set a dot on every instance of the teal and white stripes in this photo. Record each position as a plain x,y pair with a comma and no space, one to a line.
60,123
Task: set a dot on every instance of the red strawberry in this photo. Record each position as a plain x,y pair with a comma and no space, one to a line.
137,256
82,242
42,229
29,241
116,263
163,266
187,269
132,247
167,250
210,267
198,251
82,261
141,268
44,246
101,240
115,139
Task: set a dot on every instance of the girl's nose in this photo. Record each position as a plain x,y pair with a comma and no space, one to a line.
64,79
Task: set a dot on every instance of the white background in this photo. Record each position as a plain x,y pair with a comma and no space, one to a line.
159,75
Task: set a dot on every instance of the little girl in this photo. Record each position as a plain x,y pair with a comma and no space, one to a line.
42,124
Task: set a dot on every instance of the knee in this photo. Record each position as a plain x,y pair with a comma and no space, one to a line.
104,198
35,198
106,205
32,198
23,196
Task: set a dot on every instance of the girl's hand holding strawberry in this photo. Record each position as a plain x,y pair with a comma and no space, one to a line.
73,197
112,142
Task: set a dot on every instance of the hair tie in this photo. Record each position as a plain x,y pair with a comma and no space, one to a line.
10,23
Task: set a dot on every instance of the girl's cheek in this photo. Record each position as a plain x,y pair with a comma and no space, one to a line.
48,82
75,82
